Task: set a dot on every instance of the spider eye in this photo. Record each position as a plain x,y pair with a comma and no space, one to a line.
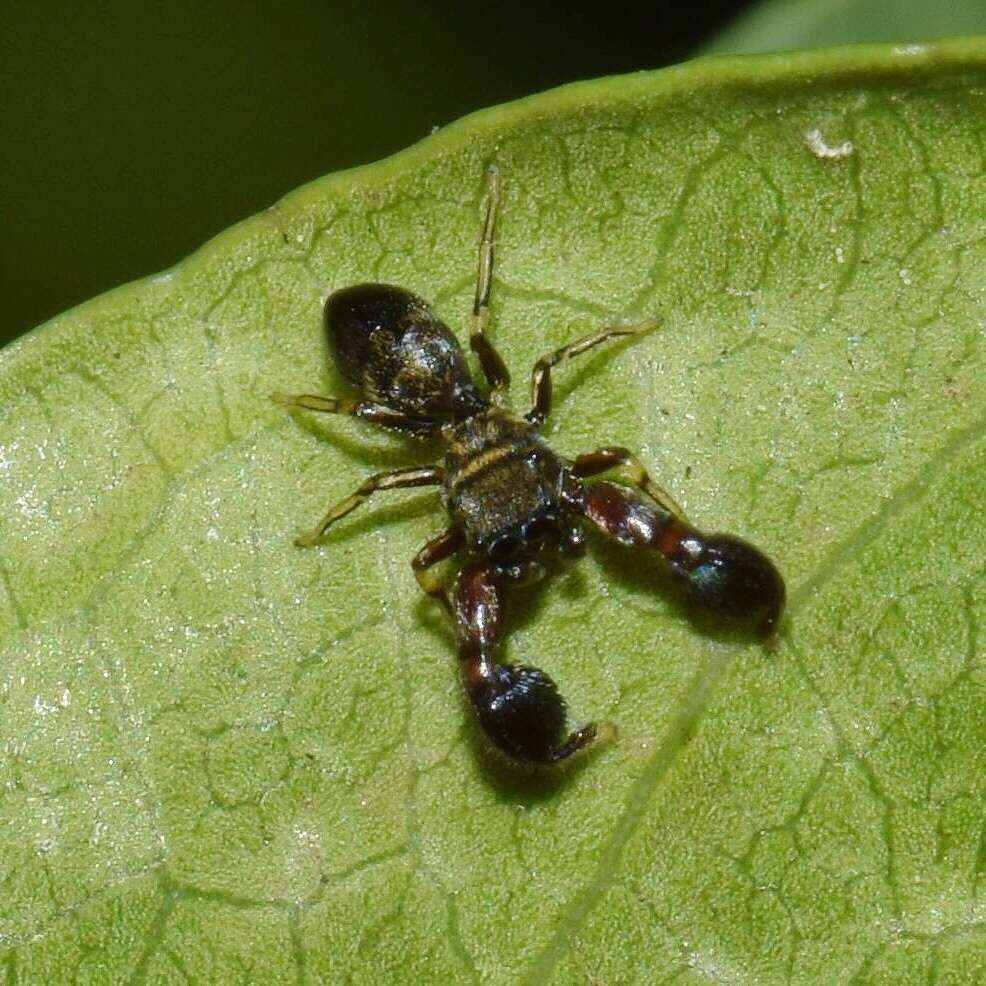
506,549
540,528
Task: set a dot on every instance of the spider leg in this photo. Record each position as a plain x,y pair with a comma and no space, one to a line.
437,549
394,480
610,456
541,375
494,369
375,413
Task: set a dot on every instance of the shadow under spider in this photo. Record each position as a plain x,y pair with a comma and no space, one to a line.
368,453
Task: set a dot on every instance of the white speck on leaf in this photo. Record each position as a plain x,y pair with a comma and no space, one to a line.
43,708
822,149
30,508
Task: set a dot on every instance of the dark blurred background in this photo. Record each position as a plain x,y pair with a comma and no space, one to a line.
133,132
130,133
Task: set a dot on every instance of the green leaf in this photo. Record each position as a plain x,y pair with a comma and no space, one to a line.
228,760
775,24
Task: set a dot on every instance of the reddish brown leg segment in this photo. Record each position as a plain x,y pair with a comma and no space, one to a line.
719,574
518,708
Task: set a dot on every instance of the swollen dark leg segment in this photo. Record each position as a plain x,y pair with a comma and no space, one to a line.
593,463
494,369
375,413
436,550
398,479
541,377
719,574
518,708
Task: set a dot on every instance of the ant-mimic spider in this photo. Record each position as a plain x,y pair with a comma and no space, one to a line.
513,503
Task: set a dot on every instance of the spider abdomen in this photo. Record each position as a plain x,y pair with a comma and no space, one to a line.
400,354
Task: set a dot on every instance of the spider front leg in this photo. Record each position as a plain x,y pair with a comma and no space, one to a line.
394,480
719,574
518,708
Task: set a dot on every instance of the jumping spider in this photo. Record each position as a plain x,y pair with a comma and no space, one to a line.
512,502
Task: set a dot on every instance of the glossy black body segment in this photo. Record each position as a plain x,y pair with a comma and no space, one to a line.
395,349
513,503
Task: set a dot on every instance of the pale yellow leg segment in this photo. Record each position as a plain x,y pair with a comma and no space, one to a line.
311,402
374,413
494,369
398,479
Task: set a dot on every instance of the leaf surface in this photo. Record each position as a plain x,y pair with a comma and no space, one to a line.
228,760
775,24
